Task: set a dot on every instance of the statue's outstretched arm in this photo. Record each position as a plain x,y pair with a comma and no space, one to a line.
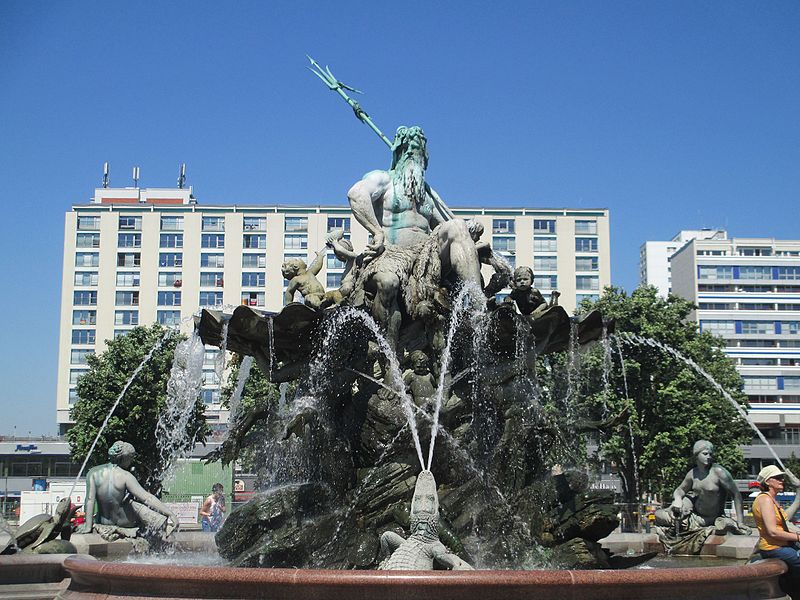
390,541
449,560
146,498
366,202
316,266
726,479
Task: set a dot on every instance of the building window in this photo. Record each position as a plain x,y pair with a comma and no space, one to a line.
585,244
254,261
210,396
254,240
171,240
213,223
169,279
334,280
210,298
212,261
171,223
755,251
130,223
84,298
755,272
255,223
791,383
789,273
756,306
544,244
86,278
504,244
342,223
118,333
544,226
129,259
210,377
170,259
128,279
510,259
126,317
88,240
212,240
758,327
168,317
253,298
73,397
545,282
717,327
169,298
129,240
587,282
295,242
333,263
253,279
790,327
754,362
502,225
212,279
87,259
717,306
80,356
88,223
752,382
545,263
75,374
294,224
584,227
127,299
84,317
586,263
83,336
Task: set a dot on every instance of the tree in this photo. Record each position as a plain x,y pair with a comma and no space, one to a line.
671,406
135,418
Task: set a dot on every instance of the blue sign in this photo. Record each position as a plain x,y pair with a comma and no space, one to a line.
26,447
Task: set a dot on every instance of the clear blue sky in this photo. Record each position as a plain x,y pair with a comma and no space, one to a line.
672,115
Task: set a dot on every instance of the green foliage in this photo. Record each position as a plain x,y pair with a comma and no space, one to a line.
671,406
136,416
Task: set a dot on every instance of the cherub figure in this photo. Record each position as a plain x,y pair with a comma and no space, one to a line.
419,381
530,301
303,279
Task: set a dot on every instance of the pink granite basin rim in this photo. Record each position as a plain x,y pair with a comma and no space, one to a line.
123,580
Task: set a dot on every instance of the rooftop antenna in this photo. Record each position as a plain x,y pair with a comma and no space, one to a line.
136,177
105,174
182,176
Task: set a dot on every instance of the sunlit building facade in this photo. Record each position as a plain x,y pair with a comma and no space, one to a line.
136,256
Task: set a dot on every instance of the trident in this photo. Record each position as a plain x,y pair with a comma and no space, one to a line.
337,86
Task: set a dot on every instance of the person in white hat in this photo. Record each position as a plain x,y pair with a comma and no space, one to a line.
777,539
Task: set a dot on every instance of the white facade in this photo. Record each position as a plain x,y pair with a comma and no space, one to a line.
135,256
748,292
654,266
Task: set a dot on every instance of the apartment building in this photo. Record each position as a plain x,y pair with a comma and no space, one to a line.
654,266
134,256
748,292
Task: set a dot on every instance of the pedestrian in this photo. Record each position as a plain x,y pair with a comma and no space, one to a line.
212,513
777,539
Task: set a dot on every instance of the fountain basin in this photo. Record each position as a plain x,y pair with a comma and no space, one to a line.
96,579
